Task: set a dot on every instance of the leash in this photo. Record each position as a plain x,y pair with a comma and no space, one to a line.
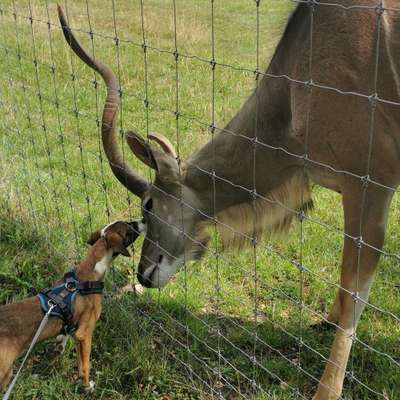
34,340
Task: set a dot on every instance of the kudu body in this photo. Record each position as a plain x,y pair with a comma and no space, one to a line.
263,147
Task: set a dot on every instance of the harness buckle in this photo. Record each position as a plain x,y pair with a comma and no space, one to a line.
70,286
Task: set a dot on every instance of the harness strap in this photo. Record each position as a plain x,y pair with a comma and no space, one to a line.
63,297
90,287
84,288
59,301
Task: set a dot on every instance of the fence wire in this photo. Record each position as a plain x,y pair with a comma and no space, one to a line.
233,326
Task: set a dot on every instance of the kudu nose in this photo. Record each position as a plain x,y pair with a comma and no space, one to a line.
144,281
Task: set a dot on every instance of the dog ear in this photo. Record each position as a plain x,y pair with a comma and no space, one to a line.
124,251
94,237
114,241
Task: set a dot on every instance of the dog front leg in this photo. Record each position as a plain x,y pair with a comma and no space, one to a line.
83,337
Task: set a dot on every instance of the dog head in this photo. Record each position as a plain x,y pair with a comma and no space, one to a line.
117,236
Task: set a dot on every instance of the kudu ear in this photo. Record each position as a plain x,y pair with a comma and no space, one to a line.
165,144
141,149
164,163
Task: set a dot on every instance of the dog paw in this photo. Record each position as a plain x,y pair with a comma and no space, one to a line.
61,342
90,387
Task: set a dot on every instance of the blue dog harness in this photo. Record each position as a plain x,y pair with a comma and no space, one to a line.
63,297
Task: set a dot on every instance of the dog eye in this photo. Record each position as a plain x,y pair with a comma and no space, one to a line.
148,205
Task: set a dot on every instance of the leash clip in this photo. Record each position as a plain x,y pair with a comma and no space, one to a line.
51,303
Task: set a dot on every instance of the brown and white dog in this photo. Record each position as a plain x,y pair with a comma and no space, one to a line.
19,321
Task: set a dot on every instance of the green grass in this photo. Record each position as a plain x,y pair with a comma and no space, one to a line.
55,188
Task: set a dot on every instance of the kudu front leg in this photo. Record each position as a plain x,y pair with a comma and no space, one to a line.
358,267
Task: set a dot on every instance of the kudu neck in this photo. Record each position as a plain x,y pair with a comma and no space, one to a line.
242,157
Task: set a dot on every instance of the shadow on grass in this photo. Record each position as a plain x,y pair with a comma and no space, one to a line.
210,354
148,350
30,258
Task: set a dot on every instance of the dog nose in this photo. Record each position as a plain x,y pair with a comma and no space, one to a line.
132,232
132,227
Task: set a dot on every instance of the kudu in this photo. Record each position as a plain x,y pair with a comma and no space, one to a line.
286,135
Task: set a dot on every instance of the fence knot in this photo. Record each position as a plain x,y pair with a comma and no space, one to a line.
312,4
355,297
379,9
365,180
213,63
309,84
359,241
211,127
372,99
350,376
301,215
299,266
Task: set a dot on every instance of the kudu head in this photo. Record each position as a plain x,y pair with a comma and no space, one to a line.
170,216
168,221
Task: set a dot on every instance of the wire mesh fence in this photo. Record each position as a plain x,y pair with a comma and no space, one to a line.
244,324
